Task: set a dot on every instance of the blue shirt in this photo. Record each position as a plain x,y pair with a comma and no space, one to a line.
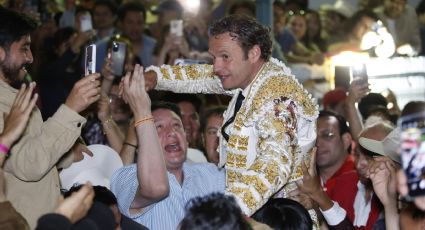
200,179
286,40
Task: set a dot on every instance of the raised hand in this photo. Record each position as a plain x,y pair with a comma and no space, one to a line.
107,69
134,93
382,173
358,89
311,182
78,204
85,92
17,119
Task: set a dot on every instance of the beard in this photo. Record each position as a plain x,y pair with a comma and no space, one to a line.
12,72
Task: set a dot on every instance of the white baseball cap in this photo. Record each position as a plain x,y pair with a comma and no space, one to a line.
386,147
97,169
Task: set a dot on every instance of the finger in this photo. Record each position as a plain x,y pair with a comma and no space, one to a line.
304,169
142,78
90,78
87,151
31,105
20,94
313,154
27,96
294,193
126,85
92,92
93,99
135,75
90,86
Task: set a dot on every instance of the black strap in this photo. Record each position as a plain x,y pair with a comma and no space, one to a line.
238,105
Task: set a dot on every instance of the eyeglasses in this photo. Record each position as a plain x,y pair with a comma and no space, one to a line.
326,135
299,12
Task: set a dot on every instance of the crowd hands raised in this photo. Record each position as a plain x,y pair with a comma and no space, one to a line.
120,110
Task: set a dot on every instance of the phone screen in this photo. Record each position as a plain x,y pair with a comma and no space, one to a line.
413,151
90,59
176,27
342,77
359,71
86,23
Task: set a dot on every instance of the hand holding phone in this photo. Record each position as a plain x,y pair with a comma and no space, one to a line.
413,151
90,59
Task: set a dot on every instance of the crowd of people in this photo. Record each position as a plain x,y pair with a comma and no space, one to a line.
213,129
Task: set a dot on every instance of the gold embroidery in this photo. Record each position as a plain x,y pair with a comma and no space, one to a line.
236,160
257,166
245,195
232,176
282,86
271,172
177,70
250,180
243,143
165,74
232,141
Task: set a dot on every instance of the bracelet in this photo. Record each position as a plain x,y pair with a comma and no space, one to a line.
134,146
4,149
143,120
108,121
108,124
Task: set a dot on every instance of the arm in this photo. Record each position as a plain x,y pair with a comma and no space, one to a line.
43,144
151,170
129,147
356,92
382,173
184,79
110,128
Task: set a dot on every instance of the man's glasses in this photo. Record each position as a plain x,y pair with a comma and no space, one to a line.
327,135
299,12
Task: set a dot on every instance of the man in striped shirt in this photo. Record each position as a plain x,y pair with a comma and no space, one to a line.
186,180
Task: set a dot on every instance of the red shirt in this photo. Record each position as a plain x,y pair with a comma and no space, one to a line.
345,194
348,166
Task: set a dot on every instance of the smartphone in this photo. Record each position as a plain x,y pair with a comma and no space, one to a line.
342,77
118,52
90,59
359,71
176,27
413,151
86,22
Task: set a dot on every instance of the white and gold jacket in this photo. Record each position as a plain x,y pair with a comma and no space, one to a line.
271,134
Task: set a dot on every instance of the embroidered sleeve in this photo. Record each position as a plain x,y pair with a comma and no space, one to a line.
188,79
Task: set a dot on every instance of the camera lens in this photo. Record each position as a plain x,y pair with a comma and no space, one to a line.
115,47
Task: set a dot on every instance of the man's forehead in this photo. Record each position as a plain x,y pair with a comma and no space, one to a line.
164,113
